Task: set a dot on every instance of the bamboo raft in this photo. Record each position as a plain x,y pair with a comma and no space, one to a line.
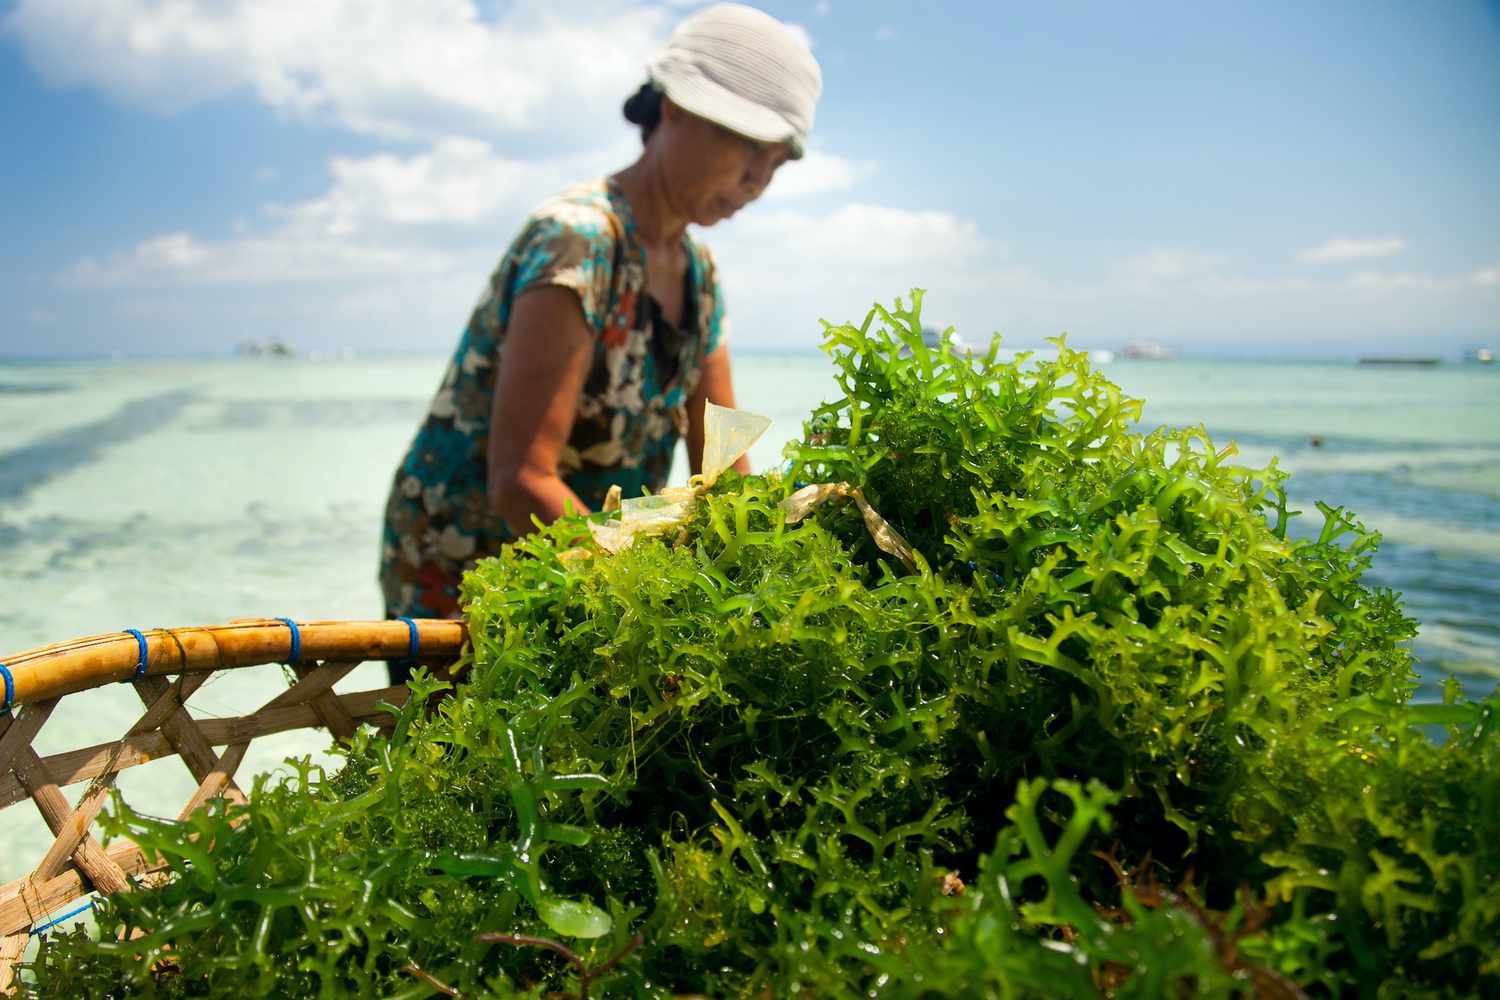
165,666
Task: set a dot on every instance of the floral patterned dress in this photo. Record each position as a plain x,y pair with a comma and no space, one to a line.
631,412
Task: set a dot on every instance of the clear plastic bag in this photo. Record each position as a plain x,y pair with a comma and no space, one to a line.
886,538
727,434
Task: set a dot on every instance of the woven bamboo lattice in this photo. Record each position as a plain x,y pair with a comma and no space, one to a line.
165,666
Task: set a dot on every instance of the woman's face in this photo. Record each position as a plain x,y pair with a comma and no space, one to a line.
710,172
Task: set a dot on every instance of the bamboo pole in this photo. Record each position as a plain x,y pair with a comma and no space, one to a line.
68,667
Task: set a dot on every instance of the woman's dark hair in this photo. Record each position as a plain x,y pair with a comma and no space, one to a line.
643,108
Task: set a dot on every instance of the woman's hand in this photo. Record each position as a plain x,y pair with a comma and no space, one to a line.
715,385
543,364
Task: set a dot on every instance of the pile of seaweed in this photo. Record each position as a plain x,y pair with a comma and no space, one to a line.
1112,729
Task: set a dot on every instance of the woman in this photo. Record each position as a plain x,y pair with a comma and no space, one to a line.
602,330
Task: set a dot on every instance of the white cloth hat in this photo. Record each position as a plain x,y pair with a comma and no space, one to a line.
742,69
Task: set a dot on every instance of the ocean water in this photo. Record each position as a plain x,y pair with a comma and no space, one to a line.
141,494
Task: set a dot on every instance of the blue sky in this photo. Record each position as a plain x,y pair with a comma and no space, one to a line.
1262,179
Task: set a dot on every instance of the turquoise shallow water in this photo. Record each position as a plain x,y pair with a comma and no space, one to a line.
190,492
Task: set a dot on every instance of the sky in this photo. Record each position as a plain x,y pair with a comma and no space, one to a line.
1268,179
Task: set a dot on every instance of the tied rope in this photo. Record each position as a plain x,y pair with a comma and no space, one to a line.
413,642
140,658
10,689
296,653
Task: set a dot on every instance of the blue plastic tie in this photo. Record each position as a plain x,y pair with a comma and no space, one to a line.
10,689
66,916
296,653
413,643
140,659
974,568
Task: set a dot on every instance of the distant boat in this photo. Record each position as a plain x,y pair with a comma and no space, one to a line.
270,347
1393,360
1480,356
1149,350
934,339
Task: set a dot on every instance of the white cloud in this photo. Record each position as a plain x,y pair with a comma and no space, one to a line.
411,284
384,216
822,8
1343,248
384,67
1162,265
859,233
459,181
817,173
1423,281
784,269
394,249
279,258
1402,281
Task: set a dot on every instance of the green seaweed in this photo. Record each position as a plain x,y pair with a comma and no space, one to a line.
1119,732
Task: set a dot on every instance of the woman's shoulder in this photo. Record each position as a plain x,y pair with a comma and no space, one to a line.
703,257
570,241
582,210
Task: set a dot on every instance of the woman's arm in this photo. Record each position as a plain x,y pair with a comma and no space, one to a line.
546,357
716,385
